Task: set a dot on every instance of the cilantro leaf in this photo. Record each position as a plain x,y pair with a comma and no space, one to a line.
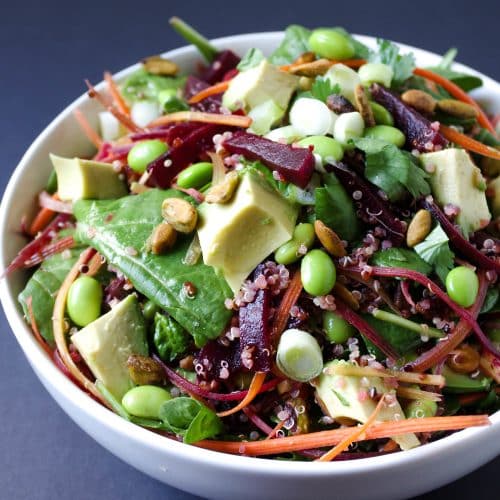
402,65
322,88
252,58
435,250
392,169
295,43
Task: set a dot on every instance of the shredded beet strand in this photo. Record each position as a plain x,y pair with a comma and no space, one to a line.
224,61
210,104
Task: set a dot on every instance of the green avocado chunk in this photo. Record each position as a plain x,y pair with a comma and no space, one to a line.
86,179
106,344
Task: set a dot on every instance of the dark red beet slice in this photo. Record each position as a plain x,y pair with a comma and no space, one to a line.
194,86
296,165
167,166
419,132
371,208
218,361
225,61
458,241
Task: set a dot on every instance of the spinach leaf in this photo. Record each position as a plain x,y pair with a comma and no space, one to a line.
293,45
170,339
486,137
401,257
392,169
142,85
335,208
252,58
190,419
491,302
402,65
322,88
435,250
42,288
401,339
119,230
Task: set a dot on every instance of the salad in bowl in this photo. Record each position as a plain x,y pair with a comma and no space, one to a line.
293,256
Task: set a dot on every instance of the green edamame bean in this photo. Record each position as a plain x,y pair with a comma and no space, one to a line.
336,328
387,134
145,401
462,286
421,408
329,149
196,175
144,152
84,300
331,44
381,115
304,234
318,272
288,253
149,310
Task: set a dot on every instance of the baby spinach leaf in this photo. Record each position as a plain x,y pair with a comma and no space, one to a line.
402,65
293,45
435,250
142,85
335,208
170,339
252,58
190,419
119,230
491,302
401,257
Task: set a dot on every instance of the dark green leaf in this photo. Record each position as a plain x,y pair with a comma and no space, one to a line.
205,425
419,83
252,58
142,85
335,208
170,339
392,169
123,241
435,250
322,88
402,65
293,45
491,301
486,137
401,257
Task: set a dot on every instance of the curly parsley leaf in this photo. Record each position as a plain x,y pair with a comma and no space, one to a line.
402,65
435,250
322,88
252,58
392,169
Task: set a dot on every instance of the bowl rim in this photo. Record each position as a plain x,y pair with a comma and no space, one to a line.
107,419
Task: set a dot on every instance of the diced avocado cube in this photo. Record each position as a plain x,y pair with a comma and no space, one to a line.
238,235
494,193
261,83
87,179
106,344
344,397
456,180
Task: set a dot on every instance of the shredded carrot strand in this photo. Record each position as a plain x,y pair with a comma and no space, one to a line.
58,326
116,94
42,219
468,143
289,299
391,445
209,91
329,438
34,327
457,93
91,134
278,427
199,116
356,433
253,390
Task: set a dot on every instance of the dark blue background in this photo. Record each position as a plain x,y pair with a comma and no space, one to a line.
46,50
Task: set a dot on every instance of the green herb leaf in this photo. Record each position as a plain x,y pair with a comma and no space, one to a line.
486,137
170,339
293,45
341,398
392,169
402,65
491,301
252,58
335,208
190,419
142,85
435,250
119,230
322,88
401,257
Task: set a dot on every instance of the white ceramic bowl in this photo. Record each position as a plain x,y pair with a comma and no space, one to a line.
198,471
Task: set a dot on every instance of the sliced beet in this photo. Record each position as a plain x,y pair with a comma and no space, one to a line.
224,61
458,241
194,86
218,361
296,165
371,208
419,132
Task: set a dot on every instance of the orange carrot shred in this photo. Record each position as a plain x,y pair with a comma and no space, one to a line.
209,91
355,434
457,93
42,219
468,143
92,135
278,427
116,94
199,116
253,390
289,299
34,327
